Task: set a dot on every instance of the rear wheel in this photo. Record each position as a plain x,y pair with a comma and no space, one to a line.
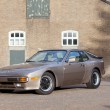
47,84
95,80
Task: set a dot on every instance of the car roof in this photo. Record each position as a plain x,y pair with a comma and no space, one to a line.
62,50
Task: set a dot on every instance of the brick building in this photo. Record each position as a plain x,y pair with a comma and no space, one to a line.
29,25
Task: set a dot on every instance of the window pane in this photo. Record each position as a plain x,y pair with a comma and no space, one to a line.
74,34
64,42
69,41
11,41
84,56
91,55
48,56
39,57
12,34
69,34
16,34
21,35
75,55
74,41
60,54
17,42
22,42
65,34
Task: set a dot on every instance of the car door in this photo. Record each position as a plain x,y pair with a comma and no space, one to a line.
73,71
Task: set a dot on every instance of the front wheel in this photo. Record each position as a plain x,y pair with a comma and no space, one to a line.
95,80
47,84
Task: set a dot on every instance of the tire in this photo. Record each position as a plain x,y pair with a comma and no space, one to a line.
6,91
47,84
95,80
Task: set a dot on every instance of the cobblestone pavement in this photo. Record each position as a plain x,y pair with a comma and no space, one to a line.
71,98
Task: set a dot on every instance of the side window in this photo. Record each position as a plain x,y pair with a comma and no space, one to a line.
75,55
84,56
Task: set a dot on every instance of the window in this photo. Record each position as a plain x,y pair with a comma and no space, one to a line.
17,38
91,55
38,8
70,38
48,55
75,55
84,56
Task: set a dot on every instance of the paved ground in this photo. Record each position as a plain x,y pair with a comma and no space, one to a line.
72,98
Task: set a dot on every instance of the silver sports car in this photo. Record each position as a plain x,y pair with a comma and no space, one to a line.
48,69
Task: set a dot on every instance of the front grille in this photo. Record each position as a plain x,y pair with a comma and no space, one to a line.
12,79
3,79
9,82
7,85
9,79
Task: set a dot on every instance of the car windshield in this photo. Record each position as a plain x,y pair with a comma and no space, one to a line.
48,56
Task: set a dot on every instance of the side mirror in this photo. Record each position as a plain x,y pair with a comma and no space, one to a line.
27,60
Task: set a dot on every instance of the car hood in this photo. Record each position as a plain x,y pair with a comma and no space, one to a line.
22,69
23,66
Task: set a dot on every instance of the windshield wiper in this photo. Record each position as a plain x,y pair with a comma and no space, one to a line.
30,61
45,61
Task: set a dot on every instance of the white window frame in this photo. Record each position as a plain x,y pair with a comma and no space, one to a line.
72,38
17,38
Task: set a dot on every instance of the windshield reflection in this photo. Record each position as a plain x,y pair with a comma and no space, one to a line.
48,56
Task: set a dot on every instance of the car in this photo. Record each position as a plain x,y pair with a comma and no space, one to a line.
49,69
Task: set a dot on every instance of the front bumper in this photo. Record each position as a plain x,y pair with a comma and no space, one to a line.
15,86
10,83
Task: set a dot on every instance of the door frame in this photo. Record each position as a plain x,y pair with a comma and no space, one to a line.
65,61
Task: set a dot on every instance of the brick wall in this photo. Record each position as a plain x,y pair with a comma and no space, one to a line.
91,18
